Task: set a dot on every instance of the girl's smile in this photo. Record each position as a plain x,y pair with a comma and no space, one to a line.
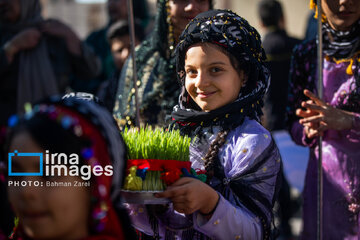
211,80
341,15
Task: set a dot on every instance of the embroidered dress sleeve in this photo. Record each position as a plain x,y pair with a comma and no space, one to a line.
139,218
252,167
123,90
301,76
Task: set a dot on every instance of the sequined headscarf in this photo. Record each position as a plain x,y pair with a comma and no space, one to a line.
232,32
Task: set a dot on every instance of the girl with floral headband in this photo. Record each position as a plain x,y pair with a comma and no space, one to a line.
68,206
336,117
220,64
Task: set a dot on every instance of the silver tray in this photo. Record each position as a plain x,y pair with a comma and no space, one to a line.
142,197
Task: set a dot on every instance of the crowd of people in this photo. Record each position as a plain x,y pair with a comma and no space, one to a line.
209,74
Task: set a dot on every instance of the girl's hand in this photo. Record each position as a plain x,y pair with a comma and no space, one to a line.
189,195
320,116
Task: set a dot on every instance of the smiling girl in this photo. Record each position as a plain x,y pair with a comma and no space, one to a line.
221,68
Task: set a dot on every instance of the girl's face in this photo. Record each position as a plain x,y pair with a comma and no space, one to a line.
182,11
120,49
211,80
341,14
46,212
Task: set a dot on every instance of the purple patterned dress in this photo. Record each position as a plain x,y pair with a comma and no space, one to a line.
341,149
249,155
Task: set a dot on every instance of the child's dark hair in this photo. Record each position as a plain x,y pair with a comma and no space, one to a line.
48,135
270,12
121,28
213,151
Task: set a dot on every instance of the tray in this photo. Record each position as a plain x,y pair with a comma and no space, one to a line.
142,197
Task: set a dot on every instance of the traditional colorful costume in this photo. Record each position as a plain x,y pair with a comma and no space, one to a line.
340,149
246,169
100,143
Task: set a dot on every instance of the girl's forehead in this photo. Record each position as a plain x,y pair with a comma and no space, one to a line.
22,141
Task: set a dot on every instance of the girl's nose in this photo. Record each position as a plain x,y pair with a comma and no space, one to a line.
202,80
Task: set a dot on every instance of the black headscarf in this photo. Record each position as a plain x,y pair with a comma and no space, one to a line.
230,31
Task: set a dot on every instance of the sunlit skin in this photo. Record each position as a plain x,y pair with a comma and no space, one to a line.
341,14
320,116
57,213
211,80
182,11
120,49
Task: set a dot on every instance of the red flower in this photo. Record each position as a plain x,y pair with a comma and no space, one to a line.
170,175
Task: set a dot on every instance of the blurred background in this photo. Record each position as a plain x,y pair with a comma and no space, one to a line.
87,15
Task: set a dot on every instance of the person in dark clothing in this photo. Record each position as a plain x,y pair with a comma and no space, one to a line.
278,48
37,57
311,27
119,40
97,40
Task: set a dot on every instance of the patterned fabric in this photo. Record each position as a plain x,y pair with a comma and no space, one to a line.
244,168
240,185
341,44
241,40
101,144
155,63
341,167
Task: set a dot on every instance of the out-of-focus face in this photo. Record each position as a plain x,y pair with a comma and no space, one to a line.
341,14
182,11
120,49
46,212
211,80
10,10
117,10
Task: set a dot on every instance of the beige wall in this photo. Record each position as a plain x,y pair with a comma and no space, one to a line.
86,17
295,11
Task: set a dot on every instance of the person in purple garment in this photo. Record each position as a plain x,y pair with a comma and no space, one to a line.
220,65
336,117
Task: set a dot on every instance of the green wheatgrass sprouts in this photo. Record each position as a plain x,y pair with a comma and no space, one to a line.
146,143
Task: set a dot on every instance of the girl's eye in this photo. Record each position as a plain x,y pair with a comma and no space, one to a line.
191,72
215,70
